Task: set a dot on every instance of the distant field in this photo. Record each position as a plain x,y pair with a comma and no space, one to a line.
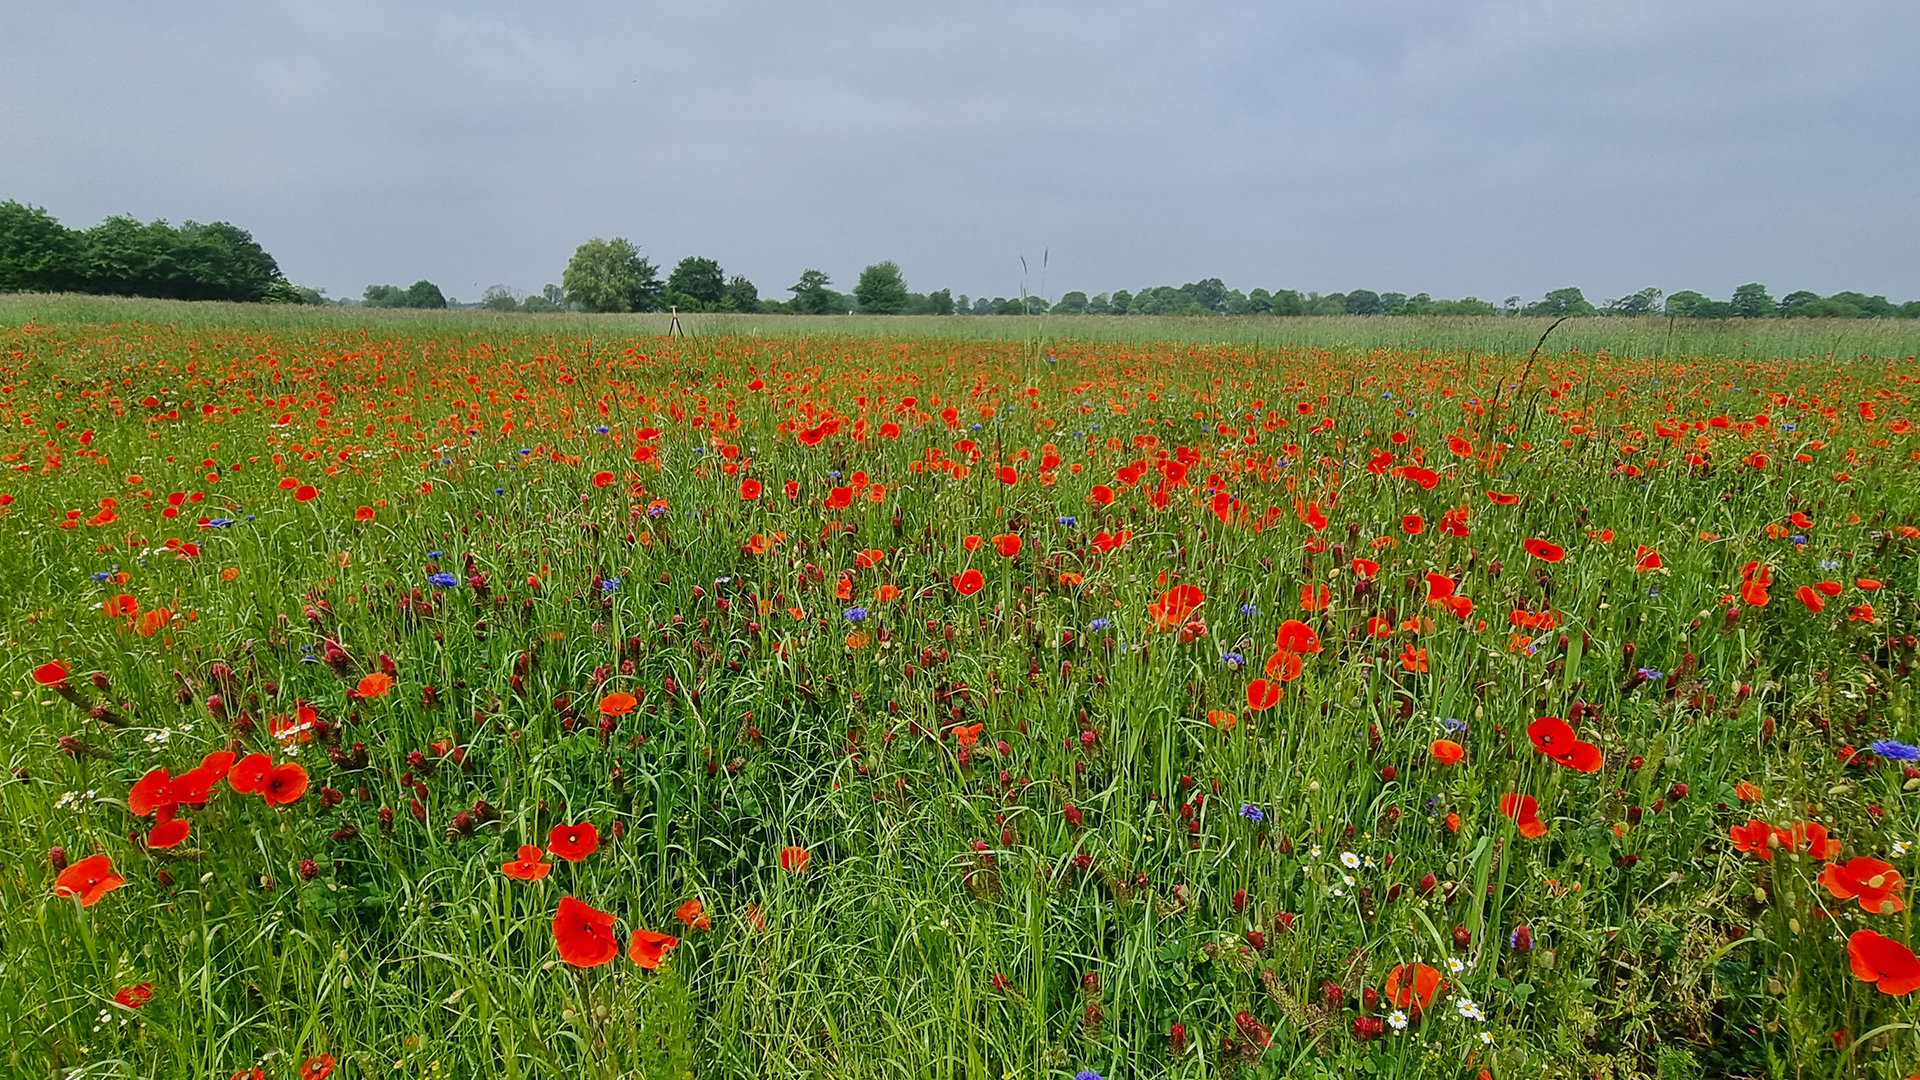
1733,338
460,695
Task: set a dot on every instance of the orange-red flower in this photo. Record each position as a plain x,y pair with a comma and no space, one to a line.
1554,737
750,488
89,879
1544,550
794,858
1263,694
574,842
1884,962
650,947
1813,600
373,684
1876,884
1446,751
583,934
317,1067
1285,666
1525,812
693,913
249,773
1645,558
1007,544
529,866
1412,986
284,784
1295,636
363,513
51,673
969,581
618,703
1755,838
1175,605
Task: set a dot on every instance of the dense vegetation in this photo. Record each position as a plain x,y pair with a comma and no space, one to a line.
459,696
125,257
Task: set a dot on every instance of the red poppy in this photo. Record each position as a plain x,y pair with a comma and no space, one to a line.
1412,659
134,996
529,866
1545,550
250,773
1296,636
1421,475
1814,601
1829,588
1315,597
306,493
1263,695
1645,558
969,581
90,879
1875,883
1008,475
1884,962
1379,627
51,673
1412,986
602,478
285,784
1365,567
1755,838
971,543
373,685
574,842
693,914
363,513
1175,605
1502,498
1285,666
1525,812
650,947
1446,751
584,935
151,792
1007,544
1554,737
750,488
1810,835
794,858
121,606
168,833
618,703
317,1067
1414,524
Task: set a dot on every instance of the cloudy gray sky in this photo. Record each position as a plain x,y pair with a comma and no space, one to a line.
1486,147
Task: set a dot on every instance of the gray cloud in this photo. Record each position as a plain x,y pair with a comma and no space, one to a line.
1486,147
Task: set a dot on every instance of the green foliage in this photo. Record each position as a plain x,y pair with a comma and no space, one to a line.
740,296
1559,302
881,290
611,276
125,257
499,298
1363,302
421,294
813,295
1644,302
37,253
1073,303
697,284
1751,301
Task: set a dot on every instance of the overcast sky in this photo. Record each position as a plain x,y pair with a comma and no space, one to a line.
1485,147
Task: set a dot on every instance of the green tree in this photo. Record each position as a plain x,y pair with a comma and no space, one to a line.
1567,301
610,275
1099,304
1122,302
1289,302
1644,302
1687,304
812,296
1364,302
499,298
425,294
881,289
1073,303
697,284
940,302
539,304
1751,301
741,296
383,296
37,253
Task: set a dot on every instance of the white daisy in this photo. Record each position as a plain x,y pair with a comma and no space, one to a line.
1349,860
1397,1021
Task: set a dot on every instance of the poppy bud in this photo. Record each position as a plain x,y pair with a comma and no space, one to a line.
1625,862
1677,792
1388,774
99,680
1240,900
1369,999
1393,891
1462,937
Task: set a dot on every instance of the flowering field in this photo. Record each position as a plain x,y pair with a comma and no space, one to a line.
454,704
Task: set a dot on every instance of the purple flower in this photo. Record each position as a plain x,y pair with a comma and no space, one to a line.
1898,751
1252,813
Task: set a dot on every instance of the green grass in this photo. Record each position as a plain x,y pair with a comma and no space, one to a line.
406,951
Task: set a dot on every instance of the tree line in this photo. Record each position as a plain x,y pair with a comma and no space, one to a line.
123,256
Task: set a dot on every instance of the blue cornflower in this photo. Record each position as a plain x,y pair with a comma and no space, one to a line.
976,427
1086,1074
602,429
1068,520
855,614
102,575
610,584
656,511
1798,538
1233,660
436,554
1898,751
443,579
1650,674
1454,724
525,450
1788,427
499,491
1249,610
219,523
1252,813
1100,624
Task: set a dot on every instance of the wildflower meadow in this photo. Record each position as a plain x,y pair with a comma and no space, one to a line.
542,698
